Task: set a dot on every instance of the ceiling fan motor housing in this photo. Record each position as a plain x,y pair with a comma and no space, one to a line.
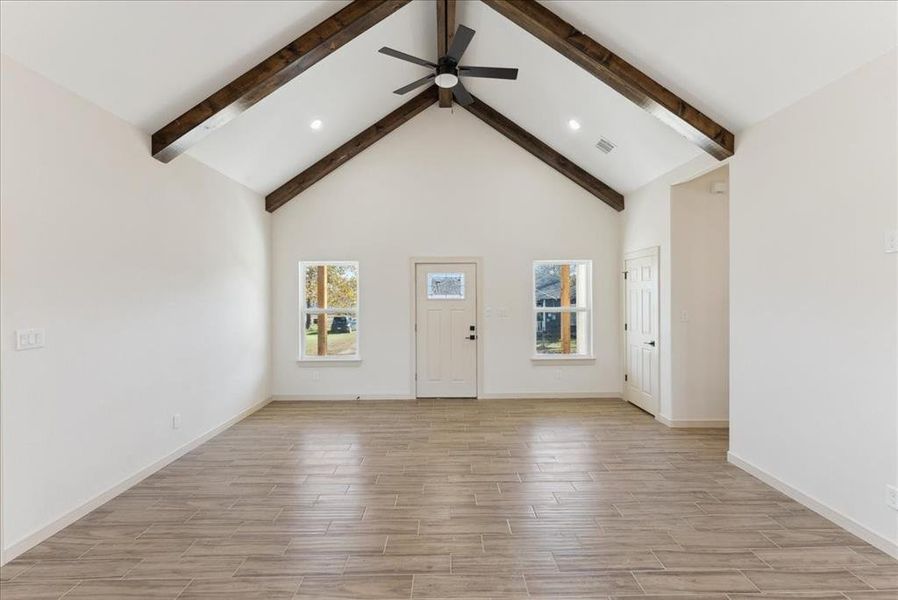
447,73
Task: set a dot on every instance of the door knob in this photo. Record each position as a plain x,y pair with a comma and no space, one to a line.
652,343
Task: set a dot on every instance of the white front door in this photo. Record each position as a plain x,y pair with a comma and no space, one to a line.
642,375
446,330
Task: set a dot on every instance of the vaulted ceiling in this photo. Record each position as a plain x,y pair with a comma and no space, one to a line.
737,62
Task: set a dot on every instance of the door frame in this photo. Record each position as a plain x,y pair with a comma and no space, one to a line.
413,313
647,252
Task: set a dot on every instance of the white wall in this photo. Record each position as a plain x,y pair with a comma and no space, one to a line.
699,308
446,184
152,282
814,305
646,223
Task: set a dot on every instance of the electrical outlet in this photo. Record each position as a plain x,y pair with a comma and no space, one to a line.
557,373
29,339
176,421
316,375
892,496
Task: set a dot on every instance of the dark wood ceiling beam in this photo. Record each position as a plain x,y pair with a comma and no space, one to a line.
270,75
350,149
445,31
540,150
618,74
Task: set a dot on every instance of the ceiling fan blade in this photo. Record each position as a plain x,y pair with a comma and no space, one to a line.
415,84
489,72
406,57
462,96
461,39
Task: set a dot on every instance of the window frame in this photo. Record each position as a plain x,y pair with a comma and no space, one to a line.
588,309
304,311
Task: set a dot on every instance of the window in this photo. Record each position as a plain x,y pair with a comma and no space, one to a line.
562,308
329,310
445,286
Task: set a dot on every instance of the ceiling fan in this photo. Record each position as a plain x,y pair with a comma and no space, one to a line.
447,70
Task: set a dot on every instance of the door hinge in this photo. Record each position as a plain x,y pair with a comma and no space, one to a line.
625,377
625,274
625,327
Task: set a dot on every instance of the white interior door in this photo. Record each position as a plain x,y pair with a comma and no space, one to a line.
446,330
642,376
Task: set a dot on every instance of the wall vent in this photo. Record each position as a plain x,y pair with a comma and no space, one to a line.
605,146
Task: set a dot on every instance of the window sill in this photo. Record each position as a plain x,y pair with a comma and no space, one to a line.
544,359
568,360
349,361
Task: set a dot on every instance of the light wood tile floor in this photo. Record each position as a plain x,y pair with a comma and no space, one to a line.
453,499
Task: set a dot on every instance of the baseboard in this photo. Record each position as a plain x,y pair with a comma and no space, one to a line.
822,509
549,396
508,396
694,423
17,548
337,397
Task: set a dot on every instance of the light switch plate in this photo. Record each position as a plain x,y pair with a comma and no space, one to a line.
29,339
890,241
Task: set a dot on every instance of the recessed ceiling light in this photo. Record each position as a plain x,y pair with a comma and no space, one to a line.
574,124
316,124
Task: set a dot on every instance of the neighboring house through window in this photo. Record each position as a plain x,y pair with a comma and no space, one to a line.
562,308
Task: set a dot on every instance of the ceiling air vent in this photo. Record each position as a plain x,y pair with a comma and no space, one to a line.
605,146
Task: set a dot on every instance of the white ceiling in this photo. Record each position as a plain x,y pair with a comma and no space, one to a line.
148,62
348,91
551,90
739,61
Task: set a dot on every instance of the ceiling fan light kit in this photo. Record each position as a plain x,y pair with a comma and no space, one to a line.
447,75
447,72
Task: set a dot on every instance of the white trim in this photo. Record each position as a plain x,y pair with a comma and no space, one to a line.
499,396
821,508
414,261
332,311
337,397
33,539
552,396
648,252
562,358
309,361
329,361
303,311
694,423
